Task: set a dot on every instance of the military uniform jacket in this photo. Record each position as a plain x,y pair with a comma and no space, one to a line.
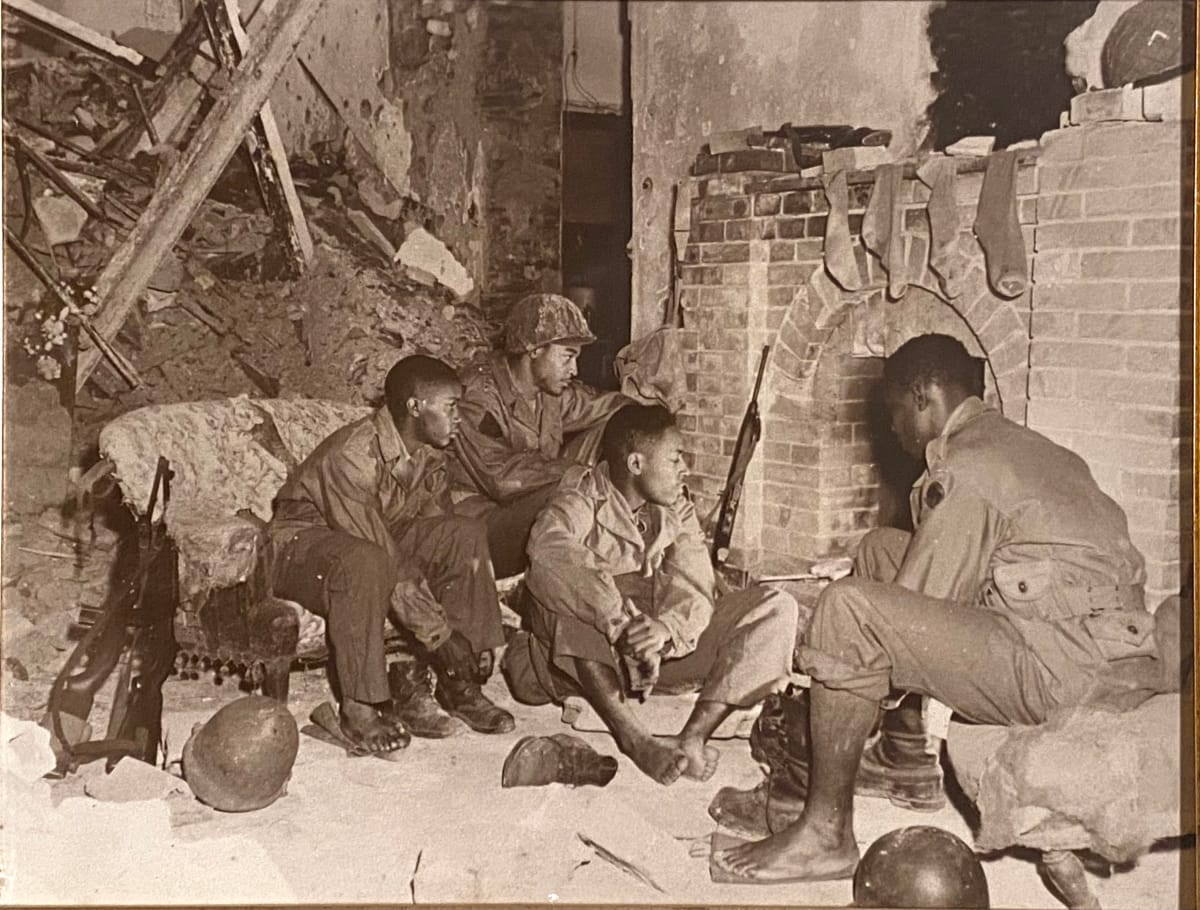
587,536
1010,520
361,480
509,444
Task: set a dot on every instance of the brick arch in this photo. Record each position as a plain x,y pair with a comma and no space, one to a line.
989,326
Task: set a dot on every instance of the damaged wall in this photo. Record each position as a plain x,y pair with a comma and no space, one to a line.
704,68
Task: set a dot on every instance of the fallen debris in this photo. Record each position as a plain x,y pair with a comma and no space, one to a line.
423,254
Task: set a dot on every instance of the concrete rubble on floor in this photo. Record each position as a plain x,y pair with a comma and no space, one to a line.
434,827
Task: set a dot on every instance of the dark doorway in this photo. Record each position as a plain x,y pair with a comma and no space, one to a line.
597,219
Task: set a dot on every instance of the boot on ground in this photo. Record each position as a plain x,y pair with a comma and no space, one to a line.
464,699
411,685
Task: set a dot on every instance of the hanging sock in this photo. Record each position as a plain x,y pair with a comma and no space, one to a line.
939,174
839,249
998,229
883,227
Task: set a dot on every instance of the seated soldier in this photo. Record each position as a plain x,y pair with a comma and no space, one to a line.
1019,593
619,574
363,527
517,408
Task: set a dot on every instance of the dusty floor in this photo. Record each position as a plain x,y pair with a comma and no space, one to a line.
435,827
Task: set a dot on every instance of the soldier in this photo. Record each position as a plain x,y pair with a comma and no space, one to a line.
363,526
1018,594
619,574
517,408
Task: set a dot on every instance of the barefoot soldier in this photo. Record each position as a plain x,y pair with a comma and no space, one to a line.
619,569
1019,593
363,528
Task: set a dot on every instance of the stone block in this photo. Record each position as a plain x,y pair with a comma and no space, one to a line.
707,232
752,160
1051,383
1123,103
725,252
1123,140
1147,327
1062,144
1131,264
766,204
1160,295
782,251
1085,355
1078,295
1162,359
1162,232
1059,207
1168,198
1081,234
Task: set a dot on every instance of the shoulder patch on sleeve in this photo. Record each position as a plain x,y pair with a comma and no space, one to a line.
936,488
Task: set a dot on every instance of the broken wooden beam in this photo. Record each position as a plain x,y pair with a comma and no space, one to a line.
194,172
263,142
116,359
60,26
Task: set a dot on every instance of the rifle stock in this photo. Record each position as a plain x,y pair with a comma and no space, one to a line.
747,440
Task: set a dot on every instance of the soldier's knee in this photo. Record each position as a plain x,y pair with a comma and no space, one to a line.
839,606
780,605
365,572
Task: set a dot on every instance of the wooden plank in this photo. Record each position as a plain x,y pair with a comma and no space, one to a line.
80,35
194,172
266,150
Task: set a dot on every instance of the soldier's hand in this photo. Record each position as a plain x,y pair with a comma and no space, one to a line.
644,636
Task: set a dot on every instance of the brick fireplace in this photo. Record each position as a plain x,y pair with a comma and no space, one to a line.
1096,353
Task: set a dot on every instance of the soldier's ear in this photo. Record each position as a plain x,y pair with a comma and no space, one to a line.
920,394
634,462
412,407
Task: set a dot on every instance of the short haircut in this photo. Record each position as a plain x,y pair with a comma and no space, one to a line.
933,358
410,376
631,428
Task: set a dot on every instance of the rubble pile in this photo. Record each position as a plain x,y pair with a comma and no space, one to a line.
220,316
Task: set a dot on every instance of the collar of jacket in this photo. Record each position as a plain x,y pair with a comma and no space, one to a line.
968,409
506,386
618,517
402,464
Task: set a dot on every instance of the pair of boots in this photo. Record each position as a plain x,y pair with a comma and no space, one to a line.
894,766
431,704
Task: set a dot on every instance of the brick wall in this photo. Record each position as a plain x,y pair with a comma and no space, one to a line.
1112,353
1097,353
755,276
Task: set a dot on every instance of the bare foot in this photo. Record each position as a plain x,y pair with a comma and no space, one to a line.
701,758
365,727
799,853
659,758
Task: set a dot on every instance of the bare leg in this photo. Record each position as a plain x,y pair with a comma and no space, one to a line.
820,844
363,724
660,758
703,722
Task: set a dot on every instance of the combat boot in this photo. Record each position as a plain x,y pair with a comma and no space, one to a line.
894,766
539,760
411,686
462,698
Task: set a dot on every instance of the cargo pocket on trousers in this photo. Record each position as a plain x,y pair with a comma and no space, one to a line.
1122,633
1027,589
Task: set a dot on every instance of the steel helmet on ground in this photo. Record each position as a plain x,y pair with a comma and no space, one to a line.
241,758
921,866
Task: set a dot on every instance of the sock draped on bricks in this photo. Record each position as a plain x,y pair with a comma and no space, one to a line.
939,174
883,227
998,229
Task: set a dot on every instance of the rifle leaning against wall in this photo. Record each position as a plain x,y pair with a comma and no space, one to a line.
136,629
747,441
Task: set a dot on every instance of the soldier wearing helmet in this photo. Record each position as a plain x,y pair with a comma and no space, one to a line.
518,407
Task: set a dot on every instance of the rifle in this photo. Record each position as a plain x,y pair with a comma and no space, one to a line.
747,440
138,623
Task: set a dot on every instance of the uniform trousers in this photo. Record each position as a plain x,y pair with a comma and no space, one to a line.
349,581
743,655
869,635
